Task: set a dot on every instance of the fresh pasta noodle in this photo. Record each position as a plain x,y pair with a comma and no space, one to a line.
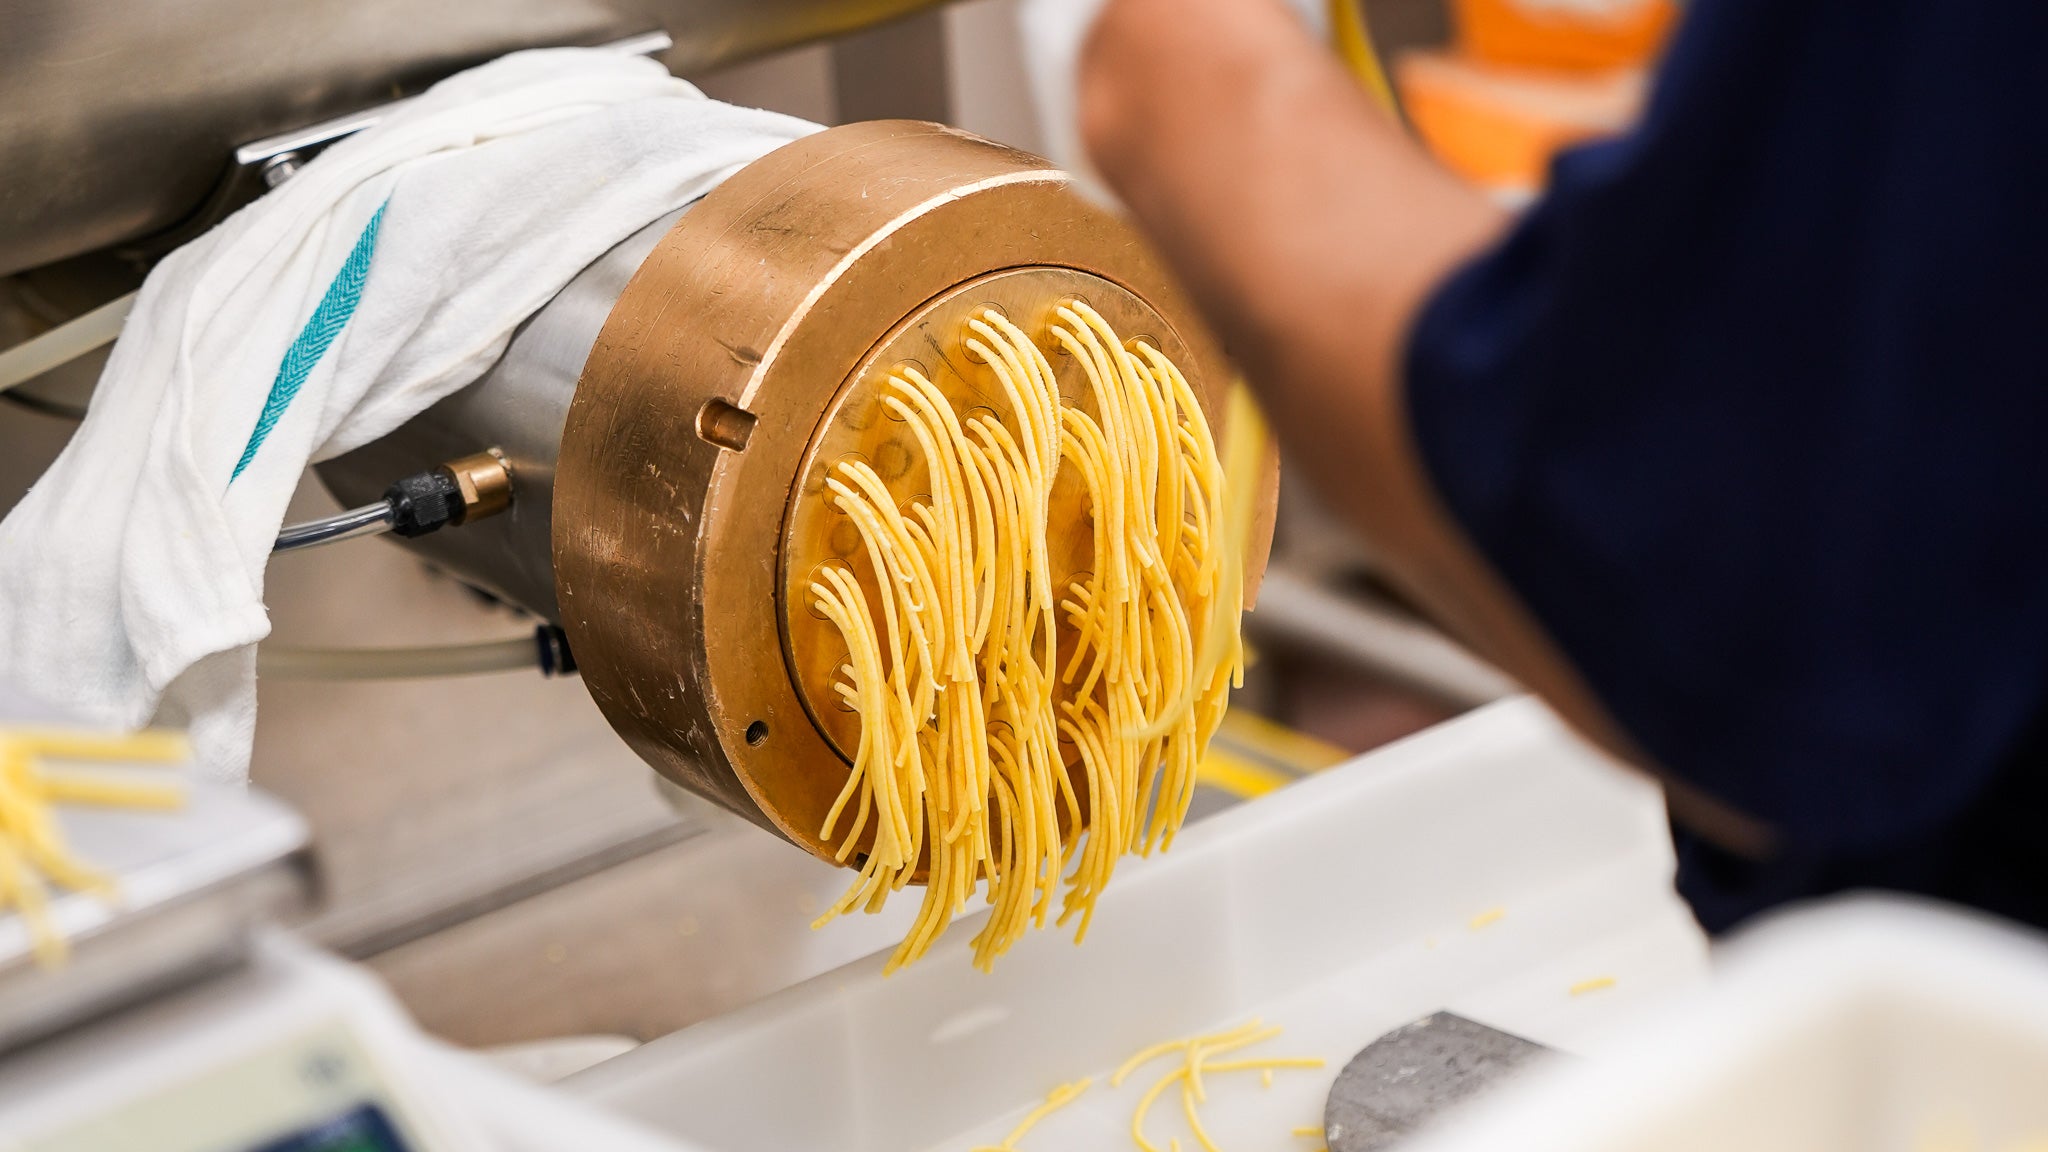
1197,1060
1055,1100
33,853
1487,918
980,683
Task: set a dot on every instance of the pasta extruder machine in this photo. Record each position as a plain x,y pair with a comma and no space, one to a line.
668,419
654,441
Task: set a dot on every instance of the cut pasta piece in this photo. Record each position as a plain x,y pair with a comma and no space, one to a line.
33,853
1196,1053
1055,1100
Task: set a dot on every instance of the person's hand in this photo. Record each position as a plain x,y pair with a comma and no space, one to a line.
1060,40
1141,60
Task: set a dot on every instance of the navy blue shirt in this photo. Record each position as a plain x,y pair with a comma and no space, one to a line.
1751,409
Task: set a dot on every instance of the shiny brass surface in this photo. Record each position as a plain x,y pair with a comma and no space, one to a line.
728,369
485,482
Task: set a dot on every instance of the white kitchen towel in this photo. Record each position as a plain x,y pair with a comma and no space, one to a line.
387,273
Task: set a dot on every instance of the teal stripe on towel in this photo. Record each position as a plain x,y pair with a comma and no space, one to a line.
336,306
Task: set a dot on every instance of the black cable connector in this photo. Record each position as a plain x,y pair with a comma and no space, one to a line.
471,488
555,657
424,502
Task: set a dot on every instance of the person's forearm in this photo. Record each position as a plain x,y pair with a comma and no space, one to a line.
1311,230
1300,215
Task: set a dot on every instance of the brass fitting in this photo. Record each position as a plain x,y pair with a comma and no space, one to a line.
484,481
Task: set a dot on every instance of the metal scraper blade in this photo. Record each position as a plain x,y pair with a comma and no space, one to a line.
1404,1078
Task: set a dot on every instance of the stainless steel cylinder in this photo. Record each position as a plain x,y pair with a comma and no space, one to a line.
518,409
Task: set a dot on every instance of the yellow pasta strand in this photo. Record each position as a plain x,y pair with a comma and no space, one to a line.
1487,918
1196,1053
977,732
32,847
1057,1099
1148,1055
1145,1106
76,789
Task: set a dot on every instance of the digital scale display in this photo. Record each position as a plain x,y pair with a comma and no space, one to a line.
362,1129
316,1089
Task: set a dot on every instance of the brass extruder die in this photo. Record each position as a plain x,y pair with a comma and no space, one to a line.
740,362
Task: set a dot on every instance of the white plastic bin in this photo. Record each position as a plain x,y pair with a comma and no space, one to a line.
1338,907
1873,1025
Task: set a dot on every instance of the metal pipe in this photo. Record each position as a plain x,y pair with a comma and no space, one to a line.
63,344
1296,613
440,660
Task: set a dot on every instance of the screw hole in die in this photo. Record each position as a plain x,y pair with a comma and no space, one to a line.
725,424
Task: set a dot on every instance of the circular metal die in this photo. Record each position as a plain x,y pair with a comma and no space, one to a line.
817,533
738,364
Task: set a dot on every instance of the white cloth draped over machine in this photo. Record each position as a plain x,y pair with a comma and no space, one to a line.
388,273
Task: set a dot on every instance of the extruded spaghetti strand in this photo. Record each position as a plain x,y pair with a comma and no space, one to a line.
991,757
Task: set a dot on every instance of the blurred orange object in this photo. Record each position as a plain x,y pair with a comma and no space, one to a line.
1498,127
1583,35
